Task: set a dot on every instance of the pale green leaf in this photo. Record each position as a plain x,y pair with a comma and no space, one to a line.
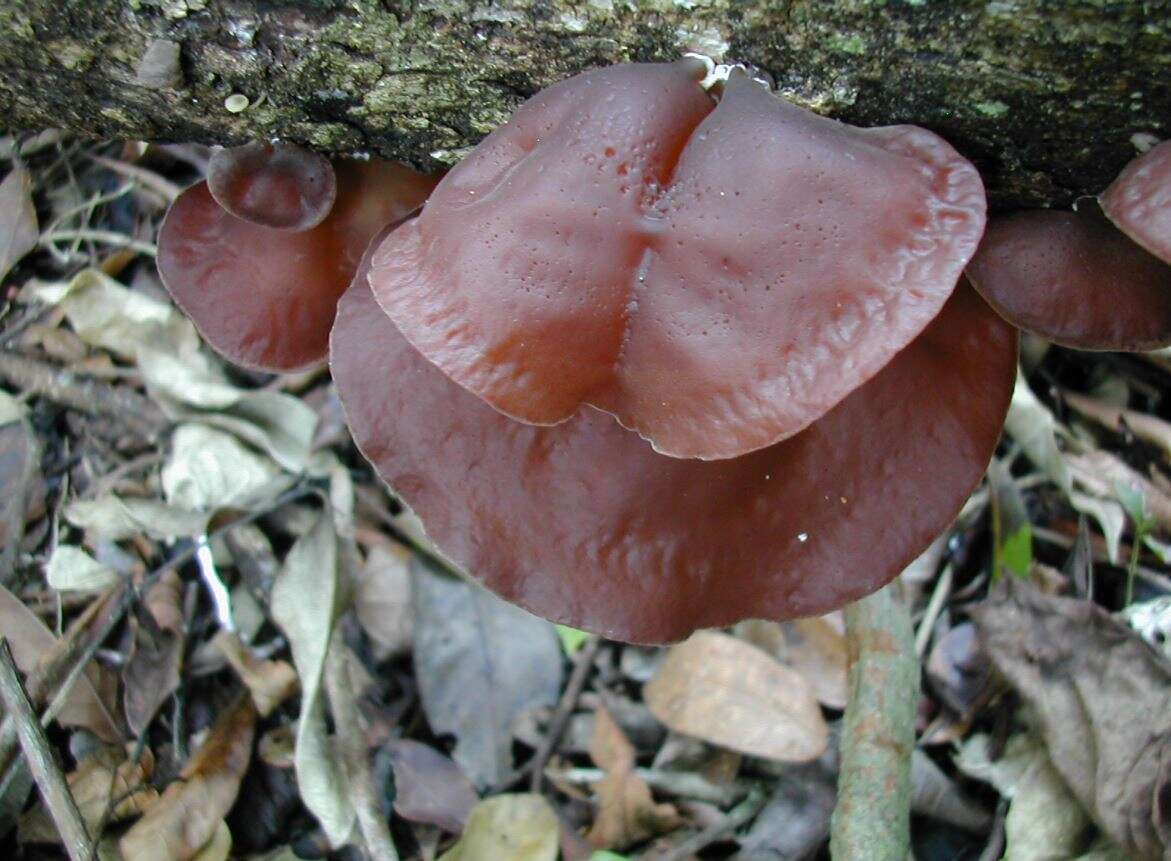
571,638
1017,550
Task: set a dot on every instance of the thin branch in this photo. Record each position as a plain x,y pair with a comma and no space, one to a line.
872,819
584,660
50,781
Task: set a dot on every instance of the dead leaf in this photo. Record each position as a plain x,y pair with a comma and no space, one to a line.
1102,697
192,808
153,670
31,641
795,821
305,603
1101,473
480,663
816,648
430,787
1044,819
512,827
18,218
209,469
18,469
219,847
269,682
104,776
1034,427
382,600
727,692
627,814
70,567
958,669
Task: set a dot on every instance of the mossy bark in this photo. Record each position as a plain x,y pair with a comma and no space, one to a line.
1044,95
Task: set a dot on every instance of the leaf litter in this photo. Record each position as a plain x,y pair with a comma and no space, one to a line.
243,647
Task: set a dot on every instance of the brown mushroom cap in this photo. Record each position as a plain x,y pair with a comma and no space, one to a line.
278,185
585,524
266,298
716,277
1139,201
1075,279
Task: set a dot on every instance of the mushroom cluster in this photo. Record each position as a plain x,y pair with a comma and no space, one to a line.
1095,278
651,358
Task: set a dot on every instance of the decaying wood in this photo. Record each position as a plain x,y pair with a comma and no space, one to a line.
1045,95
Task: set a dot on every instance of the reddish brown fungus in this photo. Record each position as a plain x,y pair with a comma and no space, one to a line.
1075,279
266,298
716,276
1139,201
279,185
585,524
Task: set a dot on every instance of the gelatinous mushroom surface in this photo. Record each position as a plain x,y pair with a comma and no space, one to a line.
585,524
265,298
1075,279
277,185
716,276
1139,201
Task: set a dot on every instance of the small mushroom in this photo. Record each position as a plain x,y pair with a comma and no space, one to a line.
1139,201
716,276
265,298
1074,279
585,524
276,185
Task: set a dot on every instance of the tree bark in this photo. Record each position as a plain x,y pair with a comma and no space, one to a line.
1045,96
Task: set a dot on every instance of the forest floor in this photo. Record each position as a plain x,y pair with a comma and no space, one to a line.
238,650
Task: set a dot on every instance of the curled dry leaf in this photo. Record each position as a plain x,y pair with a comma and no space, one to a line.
191,809
18,218
430,787
305,603
1035,428
1044,819
152,672
269,682
626,812
71,567
19,460
516,827
382,599
31,641
481,663
1102,697
104,777
1101,473
727,692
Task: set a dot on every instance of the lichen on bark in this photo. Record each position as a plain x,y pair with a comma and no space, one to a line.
1044,95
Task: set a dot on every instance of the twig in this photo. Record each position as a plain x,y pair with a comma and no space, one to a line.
50,781
682,784
872,819
139,414
102,237
584,660
148,178
737,816
934,608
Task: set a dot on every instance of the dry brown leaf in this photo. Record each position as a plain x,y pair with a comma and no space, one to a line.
430,787
382,599
269,682
104,776
33,644
627,813
1102,697
816,648
727,692
18,470
18,219
187,816
152,672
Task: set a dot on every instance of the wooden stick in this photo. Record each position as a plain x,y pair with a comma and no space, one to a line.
49,779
